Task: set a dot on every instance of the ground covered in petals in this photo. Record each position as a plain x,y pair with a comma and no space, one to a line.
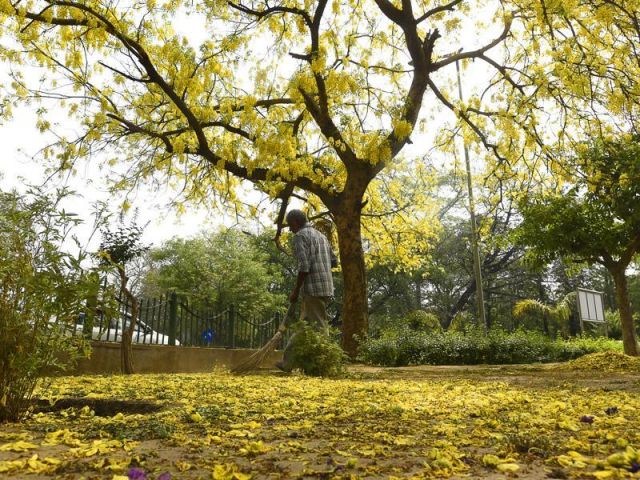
421,422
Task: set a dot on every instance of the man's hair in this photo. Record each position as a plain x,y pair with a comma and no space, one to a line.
297,216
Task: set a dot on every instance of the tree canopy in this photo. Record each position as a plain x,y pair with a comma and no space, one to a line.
312,97
594,220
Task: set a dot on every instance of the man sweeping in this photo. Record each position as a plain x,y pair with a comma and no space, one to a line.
314,281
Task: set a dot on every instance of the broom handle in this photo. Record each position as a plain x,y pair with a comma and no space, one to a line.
285,322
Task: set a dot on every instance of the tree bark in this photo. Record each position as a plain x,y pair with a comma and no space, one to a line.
126,354
629,339
418,286
355,319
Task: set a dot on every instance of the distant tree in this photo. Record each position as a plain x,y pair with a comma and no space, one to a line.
449,282
593,219
219,269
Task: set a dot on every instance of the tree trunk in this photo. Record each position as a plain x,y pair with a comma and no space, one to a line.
418,286
629,339
545,324
544,299
355,319
461,303
126,354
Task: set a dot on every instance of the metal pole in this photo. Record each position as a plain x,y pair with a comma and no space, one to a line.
474,229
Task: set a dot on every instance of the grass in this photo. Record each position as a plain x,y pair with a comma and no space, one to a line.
421,422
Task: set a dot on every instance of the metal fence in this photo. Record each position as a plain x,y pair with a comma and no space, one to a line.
170,320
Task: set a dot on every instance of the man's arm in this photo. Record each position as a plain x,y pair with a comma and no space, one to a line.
304,266
293,298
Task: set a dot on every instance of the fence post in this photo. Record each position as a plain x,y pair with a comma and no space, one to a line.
173,315
231,341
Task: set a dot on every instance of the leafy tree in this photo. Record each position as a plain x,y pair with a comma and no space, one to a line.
221,269
43,289
595,219
118,249
279,261
449,281
589,66
323,111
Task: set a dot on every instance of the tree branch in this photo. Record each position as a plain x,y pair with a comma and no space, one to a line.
442,8
474,53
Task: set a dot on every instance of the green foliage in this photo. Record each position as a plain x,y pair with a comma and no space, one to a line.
420,320
597,213
553,319
221,268
316,353
461,322
417,320
123,244
454,348
594,220
614,326
43,290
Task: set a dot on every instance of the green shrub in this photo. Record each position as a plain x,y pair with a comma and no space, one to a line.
614,327
406,347
461,322
43,291
315,353
423,321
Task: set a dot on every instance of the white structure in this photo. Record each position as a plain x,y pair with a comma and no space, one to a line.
591,308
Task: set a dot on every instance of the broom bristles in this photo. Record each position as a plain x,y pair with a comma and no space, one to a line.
254,361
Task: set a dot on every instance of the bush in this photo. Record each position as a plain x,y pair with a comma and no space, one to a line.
417,320
461,322
400,348
315,353
43,291
420,320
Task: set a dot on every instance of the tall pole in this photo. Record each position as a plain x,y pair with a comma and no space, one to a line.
474,228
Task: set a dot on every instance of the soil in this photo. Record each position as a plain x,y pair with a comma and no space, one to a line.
101,407
533,375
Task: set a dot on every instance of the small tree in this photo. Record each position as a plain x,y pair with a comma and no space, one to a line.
43,289
595,219
118,248
554,317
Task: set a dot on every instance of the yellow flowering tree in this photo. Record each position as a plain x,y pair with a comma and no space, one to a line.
573,75
299,97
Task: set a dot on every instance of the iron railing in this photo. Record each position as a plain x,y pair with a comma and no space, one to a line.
170,320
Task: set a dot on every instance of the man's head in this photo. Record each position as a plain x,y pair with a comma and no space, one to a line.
296,219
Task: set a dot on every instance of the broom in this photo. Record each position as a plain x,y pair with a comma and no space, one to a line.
254,361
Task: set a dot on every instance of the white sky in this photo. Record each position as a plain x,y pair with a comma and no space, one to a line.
20,166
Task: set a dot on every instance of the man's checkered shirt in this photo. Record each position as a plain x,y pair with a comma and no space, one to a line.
314,254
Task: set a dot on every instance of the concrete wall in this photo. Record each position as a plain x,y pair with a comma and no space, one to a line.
105,358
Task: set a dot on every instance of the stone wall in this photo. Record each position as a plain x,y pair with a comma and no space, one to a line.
105,358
